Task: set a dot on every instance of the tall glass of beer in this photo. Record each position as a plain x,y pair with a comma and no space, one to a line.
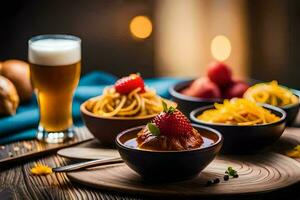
55,70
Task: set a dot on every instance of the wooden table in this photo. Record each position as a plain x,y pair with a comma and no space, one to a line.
16,182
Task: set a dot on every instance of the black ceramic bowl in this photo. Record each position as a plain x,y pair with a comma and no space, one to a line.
105,129
168,165
291,112
246,139
187,103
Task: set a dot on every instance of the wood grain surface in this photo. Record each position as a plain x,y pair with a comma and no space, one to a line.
16,182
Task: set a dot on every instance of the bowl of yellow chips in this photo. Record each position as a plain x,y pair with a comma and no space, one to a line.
247,127
276,95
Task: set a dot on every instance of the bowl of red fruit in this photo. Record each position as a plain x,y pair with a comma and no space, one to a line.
217,85
169,147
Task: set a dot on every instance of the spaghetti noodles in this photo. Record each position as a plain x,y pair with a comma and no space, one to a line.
271,93
136,103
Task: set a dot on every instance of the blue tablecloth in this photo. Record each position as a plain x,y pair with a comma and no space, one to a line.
23,125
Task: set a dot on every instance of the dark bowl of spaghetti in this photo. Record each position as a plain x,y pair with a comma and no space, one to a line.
110,113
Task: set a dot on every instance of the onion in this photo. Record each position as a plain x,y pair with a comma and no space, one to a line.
17,72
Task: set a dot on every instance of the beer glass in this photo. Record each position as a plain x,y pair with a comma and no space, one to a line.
55,62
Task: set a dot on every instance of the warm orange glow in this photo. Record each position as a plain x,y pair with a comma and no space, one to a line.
220,47
141,27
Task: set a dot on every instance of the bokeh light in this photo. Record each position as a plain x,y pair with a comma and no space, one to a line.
220,47
141,27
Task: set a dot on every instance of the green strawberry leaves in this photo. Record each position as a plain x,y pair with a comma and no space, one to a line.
165,106
154,130
166,109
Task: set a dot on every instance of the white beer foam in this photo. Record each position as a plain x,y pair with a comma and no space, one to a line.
54,52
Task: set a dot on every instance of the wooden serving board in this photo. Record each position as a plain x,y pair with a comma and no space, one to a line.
258,173
24,150
89,150
87,153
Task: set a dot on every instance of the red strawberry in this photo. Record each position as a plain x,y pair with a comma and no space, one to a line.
171,122
127,84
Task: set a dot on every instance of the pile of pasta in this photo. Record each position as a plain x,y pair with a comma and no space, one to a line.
238,112
271,93
112,103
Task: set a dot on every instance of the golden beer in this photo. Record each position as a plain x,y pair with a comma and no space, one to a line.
55,87
55,62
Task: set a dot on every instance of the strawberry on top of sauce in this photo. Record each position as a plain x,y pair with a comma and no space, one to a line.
171,122
129,83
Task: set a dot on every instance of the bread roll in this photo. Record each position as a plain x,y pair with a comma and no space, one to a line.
9,99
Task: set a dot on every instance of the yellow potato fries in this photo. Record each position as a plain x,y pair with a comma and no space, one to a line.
271,93
112,103
238,112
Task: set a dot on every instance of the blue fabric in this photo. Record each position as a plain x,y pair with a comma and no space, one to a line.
22,125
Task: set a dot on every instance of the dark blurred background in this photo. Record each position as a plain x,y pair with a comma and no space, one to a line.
261,37
101,24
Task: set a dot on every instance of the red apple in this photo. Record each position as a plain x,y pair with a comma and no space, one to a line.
187,91
220,74
203,88
236,89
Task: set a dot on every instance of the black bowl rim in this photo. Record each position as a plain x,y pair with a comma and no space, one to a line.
290,106
270,107
214,131
178,95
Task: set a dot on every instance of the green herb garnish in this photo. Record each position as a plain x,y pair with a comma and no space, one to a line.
154,130
231,172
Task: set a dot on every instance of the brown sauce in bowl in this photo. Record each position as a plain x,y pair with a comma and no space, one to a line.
131,141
